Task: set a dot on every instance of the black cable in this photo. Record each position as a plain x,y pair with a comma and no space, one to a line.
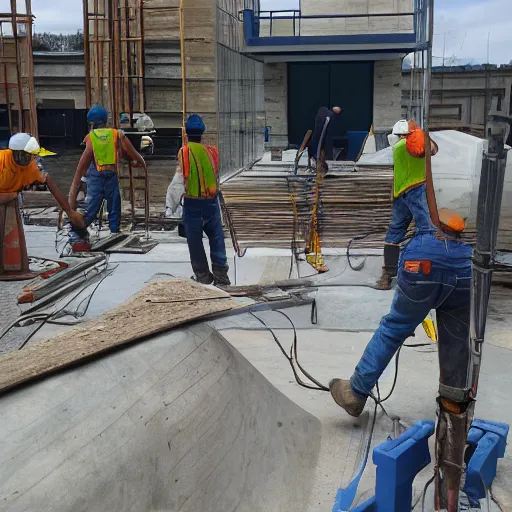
47,317
29,337
425,493
293,354
314,313
359,267
318,386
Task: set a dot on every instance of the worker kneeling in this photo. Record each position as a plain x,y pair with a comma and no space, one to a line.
18,169
434,273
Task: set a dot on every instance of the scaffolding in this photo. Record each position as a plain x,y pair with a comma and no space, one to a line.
114,70
114,57
17,69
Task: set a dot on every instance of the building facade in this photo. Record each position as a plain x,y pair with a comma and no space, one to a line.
243,70
335,52
461,96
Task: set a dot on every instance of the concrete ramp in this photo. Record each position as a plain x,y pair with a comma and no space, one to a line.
181,422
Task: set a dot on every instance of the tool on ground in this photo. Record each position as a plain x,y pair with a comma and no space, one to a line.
430,328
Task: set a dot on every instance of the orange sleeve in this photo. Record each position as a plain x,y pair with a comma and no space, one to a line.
32,174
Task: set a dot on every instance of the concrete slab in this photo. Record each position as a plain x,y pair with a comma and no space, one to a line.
181,422
224,413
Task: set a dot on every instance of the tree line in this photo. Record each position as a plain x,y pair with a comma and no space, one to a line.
47,42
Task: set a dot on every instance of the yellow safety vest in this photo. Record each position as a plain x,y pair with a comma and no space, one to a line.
409,172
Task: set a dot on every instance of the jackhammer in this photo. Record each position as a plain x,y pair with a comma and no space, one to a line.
456,402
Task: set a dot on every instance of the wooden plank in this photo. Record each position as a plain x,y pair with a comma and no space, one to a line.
148,312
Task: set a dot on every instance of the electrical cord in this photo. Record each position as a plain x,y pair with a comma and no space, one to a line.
425,493
52,317
56,314
292,358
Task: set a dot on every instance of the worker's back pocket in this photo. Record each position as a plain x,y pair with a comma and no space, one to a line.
421,283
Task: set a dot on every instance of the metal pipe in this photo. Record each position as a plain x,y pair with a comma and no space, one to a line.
132,191
487,223
14,22
183,71
142,60
412,84
85,6
30,72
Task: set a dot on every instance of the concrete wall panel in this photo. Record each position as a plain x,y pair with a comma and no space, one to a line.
387,93
276,103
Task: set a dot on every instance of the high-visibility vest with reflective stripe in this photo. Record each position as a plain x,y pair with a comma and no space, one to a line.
409,172
200,165
106,146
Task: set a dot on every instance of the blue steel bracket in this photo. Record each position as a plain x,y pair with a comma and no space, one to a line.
487,440
398,462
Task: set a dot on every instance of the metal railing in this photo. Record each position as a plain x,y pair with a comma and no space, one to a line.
295,16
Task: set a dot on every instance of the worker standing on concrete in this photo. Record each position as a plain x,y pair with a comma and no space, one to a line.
409,197
104,147
199,165
321,117
434,272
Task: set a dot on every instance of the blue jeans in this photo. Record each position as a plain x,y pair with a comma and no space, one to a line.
103,185
204,215
447,290
412,204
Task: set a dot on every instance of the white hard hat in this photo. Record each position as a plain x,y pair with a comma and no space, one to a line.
393,139
401,127
24,142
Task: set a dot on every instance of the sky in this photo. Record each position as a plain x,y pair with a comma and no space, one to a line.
462,27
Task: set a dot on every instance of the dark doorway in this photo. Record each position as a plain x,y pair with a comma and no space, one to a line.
313,85
62,128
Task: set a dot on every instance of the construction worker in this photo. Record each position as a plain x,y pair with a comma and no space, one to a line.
327,145
104,147
18,169
434,272
409,198
199,165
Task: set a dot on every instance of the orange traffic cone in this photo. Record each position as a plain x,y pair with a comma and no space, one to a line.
13,248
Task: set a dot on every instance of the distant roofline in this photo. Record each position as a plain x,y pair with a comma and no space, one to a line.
465,68
57,54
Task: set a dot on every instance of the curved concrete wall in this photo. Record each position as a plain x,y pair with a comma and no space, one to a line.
181,422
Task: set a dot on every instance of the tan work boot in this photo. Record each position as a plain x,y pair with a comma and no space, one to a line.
384,281
346,398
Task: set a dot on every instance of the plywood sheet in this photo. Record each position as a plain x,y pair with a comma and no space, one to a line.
156,308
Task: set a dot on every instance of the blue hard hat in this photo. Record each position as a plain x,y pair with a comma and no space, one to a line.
195,125
97,114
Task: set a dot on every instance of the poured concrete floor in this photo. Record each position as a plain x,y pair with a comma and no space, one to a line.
202,419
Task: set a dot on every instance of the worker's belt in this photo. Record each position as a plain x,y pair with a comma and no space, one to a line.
417,266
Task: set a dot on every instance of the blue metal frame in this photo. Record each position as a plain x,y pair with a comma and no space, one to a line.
399,460
414,40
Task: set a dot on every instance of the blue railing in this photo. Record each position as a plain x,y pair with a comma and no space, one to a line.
253,19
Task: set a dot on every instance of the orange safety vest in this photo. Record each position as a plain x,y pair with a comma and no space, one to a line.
118,152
